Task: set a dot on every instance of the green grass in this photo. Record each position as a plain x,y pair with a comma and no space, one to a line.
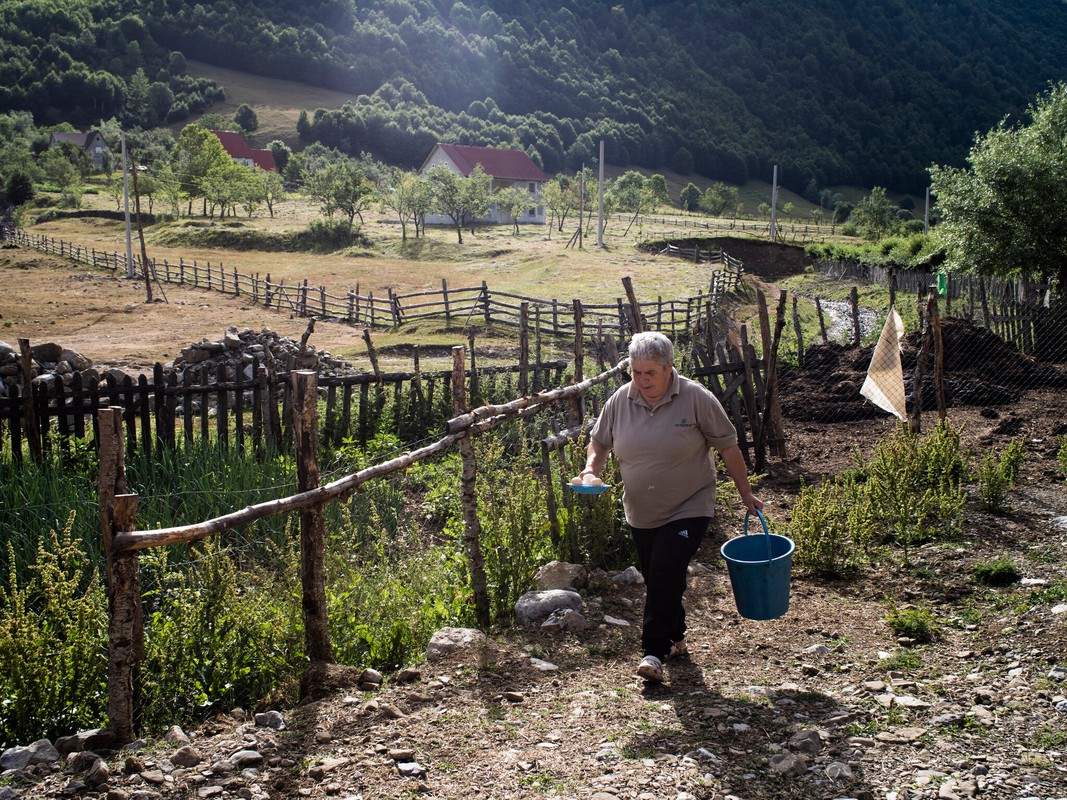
1002,571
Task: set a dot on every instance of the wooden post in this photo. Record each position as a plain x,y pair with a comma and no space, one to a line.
822,320
312,525
854,300
444,298
524,348
638,322
939,356
469,496
915,415
118,513
800,334
773,428
485,304
379,390
29,418
579,341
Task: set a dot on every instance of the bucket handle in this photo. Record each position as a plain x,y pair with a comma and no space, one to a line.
766,531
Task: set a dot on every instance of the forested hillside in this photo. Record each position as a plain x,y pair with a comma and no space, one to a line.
840,92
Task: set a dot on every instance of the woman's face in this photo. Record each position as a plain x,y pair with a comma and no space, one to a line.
653,378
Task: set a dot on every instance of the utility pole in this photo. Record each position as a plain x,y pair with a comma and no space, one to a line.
774,205
926,213
600,201
126,204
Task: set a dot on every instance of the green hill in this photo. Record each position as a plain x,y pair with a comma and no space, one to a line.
839,92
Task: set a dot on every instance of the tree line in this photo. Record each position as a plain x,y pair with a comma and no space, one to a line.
838,93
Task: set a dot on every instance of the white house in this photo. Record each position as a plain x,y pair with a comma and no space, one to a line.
507,168
91,142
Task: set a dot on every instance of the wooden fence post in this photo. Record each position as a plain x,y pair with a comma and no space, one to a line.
312,525
635,309
118,512
29,418
469,496
444,299
854,301
939,356
524,348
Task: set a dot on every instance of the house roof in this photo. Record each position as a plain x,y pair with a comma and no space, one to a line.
514,165
236,147
77,138
234,144
264,159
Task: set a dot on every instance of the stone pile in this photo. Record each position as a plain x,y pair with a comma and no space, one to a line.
238,348
49,363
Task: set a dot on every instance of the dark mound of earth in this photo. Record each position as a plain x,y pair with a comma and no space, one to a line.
980,369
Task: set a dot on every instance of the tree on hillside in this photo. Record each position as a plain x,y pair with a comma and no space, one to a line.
408,196
1006,212
718,197
514,202
197,152
461,199
634,194
690,197
245,118
341,188
875,215
272,188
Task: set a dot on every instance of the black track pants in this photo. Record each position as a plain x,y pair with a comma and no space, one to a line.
663,556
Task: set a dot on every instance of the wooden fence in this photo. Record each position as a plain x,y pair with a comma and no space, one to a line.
247,410
459,306
1014,309
122,540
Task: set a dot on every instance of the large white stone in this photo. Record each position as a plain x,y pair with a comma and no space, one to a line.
450,641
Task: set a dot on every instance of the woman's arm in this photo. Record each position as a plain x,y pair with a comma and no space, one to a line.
735,465
595,456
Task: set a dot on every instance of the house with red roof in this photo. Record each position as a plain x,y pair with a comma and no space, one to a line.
507,168
240,151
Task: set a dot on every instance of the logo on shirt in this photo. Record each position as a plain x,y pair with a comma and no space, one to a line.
685,423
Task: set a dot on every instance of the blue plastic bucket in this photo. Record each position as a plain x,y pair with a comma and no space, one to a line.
759,565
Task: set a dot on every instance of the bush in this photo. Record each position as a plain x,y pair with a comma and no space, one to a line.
217,635
997,476
999,572
831,527
914,623
1061,455
915,485
53,644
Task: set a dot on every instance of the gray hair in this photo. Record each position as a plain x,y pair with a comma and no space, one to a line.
652,346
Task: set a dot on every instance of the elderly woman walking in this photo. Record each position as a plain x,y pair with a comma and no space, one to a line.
663,428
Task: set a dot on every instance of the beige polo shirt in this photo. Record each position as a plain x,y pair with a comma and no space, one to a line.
664,452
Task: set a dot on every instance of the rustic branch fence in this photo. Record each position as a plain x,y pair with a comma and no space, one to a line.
247,410
460,306
122,540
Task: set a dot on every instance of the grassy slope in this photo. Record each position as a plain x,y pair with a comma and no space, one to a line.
278,103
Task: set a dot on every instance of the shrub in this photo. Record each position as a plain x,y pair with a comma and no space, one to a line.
216,635
914,623
831,527
997,476
53,644
1061,455
999,572
915,485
